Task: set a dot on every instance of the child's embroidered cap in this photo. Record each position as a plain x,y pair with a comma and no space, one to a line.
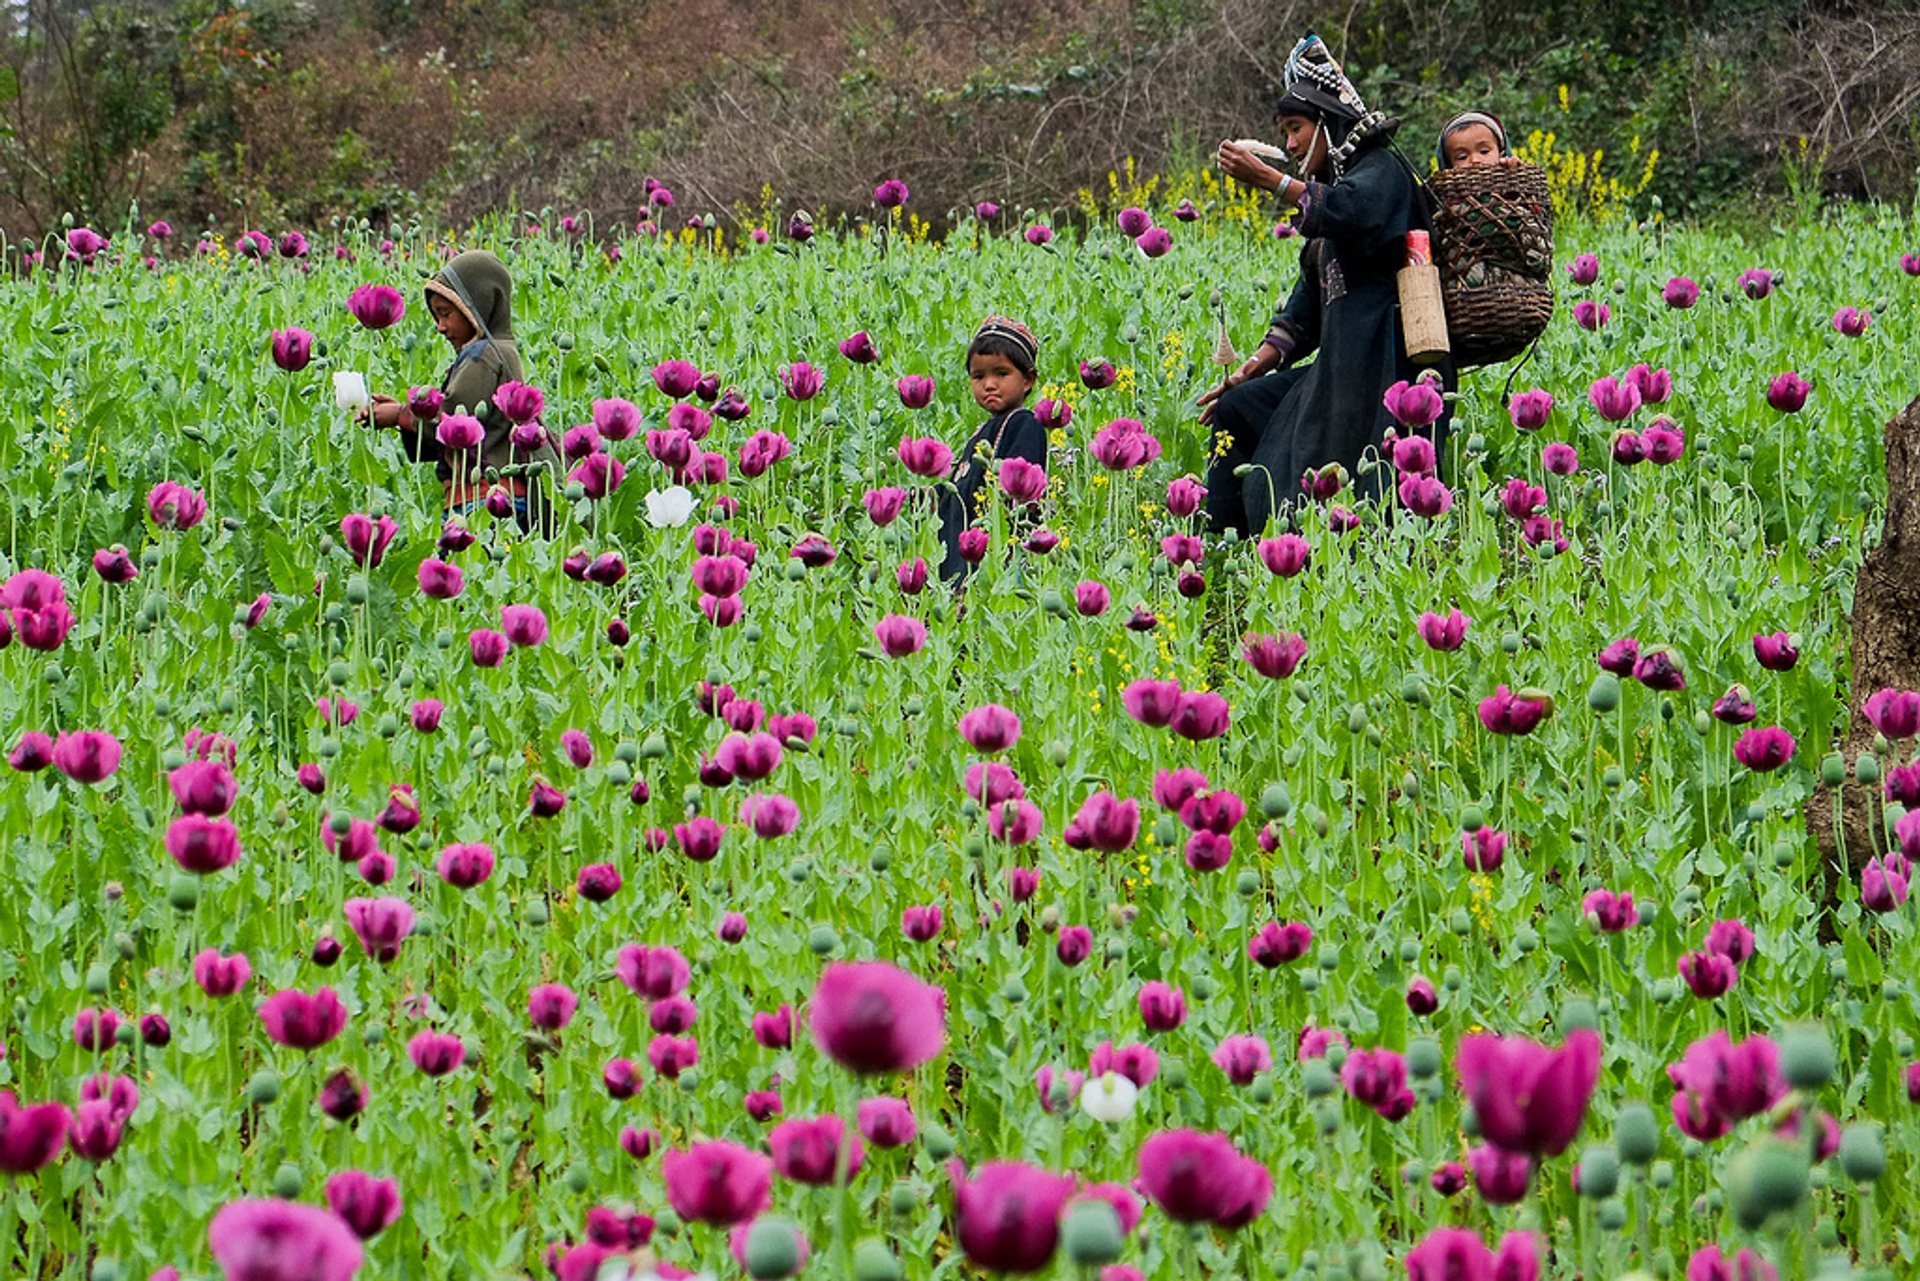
1008,328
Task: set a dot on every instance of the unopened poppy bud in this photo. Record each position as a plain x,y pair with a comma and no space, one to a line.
1599,1172
938,1143
1767,1178
1091,1232
1863,1154
873,1261
1806,1056
264,1087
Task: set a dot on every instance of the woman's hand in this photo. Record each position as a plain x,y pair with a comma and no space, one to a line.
1244,167
1209,399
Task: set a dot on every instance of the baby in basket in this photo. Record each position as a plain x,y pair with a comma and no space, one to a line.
1472,138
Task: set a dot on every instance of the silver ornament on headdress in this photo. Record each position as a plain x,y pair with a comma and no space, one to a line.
1312,65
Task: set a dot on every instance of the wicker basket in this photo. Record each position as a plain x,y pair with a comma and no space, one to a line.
1493,242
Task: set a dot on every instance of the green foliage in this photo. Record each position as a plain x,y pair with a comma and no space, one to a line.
122,377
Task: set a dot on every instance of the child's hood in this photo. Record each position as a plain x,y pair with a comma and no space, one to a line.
479,284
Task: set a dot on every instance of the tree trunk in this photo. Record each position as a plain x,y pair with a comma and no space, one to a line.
1886,655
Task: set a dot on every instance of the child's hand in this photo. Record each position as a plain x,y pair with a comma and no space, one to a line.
1243,166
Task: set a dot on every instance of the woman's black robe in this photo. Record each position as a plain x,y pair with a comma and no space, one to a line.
1346,307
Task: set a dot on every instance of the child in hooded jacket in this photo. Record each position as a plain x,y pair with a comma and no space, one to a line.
471,299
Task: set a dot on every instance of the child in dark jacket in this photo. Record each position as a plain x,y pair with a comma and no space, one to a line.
1002,368
471,299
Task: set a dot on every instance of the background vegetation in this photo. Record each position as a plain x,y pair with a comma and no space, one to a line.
291,112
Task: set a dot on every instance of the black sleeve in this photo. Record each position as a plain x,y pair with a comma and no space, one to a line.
1368,209
1295,330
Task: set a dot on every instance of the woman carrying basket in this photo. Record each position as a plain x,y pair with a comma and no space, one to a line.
1356,205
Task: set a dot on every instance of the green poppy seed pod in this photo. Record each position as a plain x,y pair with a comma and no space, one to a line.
1863,1154
1116,949
1202,988
172,759
1309,980
388,726
1326,1114
1817,1177
1766,1178
1663,992
105,1269
1526,940
1833,769
1612,1215
800,871
1413,690
124,945
821,940
1510,642
903,1198
1459,922
537,912
1784,855
1053,603
1578,1012
1409,951
1866,769
1472,818
1262,1089
1837,969
1806,1056
357,590
150,558
1826,1233
1660,1175
1166,832
579,1179
264,1087
1090,1231
1274,800
97,980
338,674
1175,1072
872,1261
183,892
938,1142
881,859
974,847
442,639
654,748
1469,1121
848,726
1328,957
1013,991
1477,443
1357,718
1599,1171
1303,696
287,1180
1613,778
772,1247
1423,1058
619,773
1636,1134
1247,884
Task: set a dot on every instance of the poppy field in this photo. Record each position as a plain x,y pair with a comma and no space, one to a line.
707,889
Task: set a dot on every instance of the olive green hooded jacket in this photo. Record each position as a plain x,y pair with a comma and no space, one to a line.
479,286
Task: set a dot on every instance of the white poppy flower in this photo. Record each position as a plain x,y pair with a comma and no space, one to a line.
1109,1097
350,391
671,507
